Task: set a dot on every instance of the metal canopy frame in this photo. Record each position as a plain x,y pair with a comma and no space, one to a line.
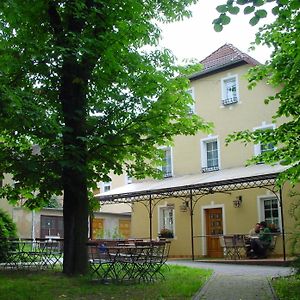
191,194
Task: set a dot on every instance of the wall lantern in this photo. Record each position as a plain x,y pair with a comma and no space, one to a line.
184,206
237,202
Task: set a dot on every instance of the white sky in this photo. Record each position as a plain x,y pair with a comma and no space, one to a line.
195,37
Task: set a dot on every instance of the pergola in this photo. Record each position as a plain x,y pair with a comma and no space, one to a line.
191,188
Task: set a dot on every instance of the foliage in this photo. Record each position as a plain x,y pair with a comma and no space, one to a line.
166,233
180,283
135,99
7,230
53,203
287,288
282,72
294,239
81,95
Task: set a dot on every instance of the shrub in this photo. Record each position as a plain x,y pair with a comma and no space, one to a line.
8,230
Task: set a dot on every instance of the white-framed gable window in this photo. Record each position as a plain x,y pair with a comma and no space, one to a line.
128,179
261,148
105,186
166,219
210,154
269,211
191,91
167,167
230,91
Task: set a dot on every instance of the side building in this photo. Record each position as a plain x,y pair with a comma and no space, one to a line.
109,222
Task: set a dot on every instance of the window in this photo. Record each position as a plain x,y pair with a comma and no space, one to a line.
262,148
270,212
52,226
167,165
191,91
105,187
166,220
210,155
128,179
229,90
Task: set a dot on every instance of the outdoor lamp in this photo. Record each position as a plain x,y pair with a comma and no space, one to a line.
237,202
184,206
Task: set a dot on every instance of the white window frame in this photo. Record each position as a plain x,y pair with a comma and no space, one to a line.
167,175
128,179
160,208
203,146
104,186
225,100
191,91
261,211
257,147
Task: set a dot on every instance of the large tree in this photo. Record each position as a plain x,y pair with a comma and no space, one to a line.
80,96
281,71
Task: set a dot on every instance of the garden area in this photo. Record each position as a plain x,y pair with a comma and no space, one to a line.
180,283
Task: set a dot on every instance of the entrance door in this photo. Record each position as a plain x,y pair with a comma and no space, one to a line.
214,227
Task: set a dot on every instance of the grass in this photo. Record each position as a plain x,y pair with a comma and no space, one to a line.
180,283
287,288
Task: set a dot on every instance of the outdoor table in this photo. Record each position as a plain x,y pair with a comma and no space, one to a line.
140,262
33,254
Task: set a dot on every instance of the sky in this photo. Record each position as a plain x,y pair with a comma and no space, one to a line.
195,37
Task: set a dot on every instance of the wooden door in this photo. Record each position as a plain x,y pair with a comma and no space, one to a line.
214,227
124,228
97,228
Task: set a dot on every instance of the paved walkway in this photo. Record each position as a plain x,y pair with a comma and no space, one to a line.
237,282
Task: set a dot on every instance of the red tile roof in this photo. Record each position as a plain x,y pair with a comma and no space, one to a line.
226,55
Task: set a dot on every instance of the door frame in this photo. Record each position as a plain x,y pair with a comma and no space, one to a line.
203,223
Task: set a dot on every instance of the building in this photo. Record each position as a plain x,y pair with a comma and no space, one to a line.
108,222
207,189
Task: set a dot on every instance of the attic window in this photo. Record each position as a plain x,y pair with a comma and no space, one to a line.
229,90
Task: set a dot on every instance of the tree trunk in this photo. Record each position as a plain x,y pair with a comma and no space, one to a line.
73,98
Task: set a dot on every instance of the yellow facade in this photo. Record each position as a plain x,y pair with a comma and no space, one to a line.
250,113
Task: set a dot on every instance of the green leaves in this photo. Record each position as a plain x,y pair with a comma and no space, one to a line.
218,27
75,82
234,10
283,36
254,20
261,13
249,10
222,8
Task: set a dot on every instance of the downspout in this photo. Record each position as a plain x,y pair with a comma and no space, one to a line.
282,223
192,224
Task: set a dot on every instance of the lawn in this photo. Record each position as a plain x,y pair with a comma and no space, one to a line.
180,283
287,288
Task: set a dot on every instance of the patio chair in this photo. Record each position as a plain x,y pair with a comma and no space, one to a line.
101,266
227,244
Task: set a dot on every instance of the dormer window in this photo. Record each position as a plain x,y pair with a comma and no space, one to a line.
105,186
229,90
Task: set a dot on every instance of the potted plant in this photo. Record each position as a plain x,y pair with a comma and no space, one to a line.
166,233
273,228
